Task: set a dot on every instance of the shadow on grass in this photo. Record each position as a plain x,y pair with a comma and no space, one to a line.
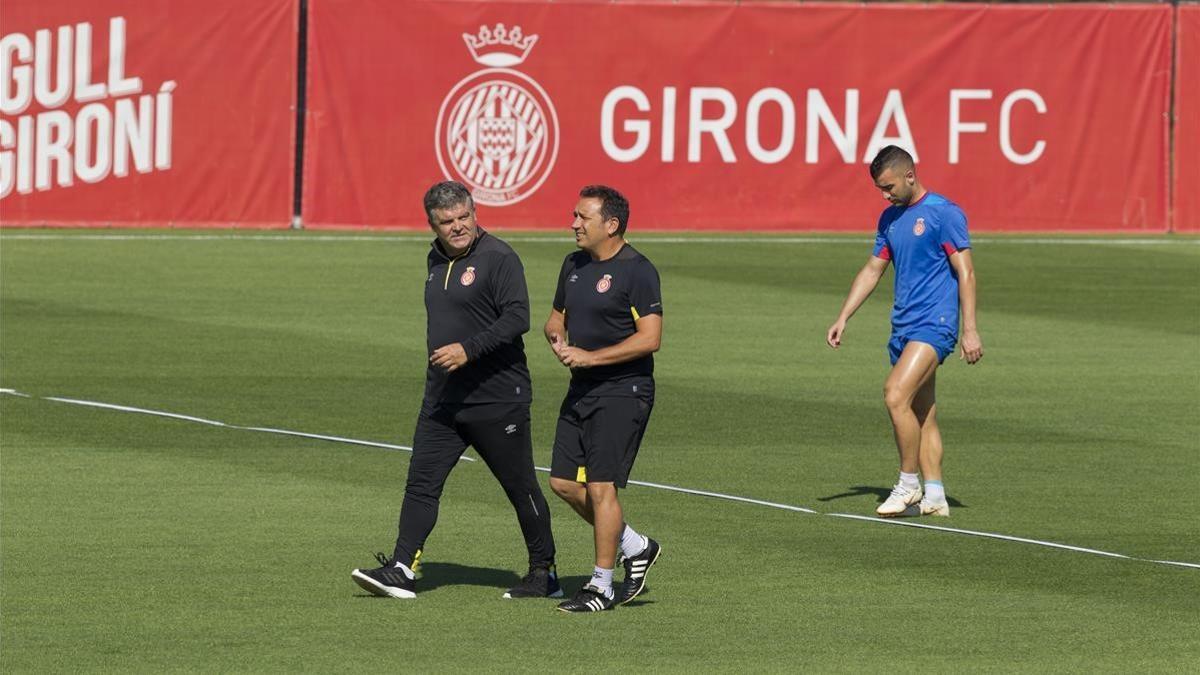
438,574
571,585
881,495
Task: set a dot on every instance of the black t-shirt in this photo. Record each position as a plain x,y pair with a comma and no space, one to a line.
602,301
478,298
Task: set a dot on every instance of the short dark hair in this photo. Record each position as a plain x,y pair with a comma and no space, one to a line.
891,156
445,195
612,204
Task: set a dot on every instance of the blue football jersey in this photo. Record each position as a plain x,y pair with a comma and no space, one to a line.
919,240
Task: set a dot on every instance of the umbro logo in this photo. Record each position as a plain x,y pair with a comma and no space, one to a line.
574,278
510,429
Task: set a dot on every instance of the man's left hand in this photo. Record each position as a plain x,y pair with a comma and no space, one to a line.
972,347
451,357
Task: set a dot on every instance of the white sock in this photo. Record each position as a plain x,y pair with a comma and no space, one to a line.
910,480
632,543
404,568
934,491
602,579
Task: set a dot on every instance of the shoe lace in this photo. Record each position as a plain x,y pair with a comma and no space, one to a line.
589,590
898,490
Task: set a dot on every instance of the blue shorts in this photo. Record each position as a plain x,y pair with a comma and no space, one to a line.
942,342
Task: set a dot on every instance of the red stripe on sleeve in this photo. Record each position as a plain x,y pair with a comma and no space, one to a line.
949,249
885,253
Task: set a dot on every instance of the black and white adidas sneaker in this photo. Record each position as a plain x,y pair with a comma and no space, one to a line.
387,580
588,599
636,568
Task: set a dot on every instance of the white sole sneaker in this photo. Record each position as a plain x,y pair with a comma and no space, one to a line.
375,588
899,501
931,509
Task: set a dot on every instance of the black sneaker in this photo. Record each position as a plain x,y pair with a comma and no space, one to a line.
385,581
588,599
541,582
636,569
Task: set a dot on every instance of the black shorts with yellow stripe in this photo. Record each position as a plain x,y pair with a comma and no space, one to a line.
598,437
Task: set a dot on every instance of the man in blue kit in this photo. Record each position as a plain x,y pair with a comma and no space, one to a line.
925,236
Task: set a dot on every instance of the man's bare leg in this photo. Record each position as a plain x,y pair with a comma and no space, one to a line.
607,522
925,408
916,366
575,494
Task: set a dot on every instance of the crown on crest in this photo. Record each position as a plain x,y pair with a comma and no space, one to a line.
500,46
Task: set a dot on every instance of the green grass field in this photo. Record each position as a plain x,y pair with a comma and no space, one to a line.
134,542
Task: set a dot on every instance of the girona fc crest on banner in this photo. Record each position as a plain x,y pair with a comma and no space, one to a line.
604,284
497,130
467,277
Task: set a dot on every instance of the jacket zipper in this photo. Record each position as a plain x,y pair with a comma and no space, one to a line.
446,283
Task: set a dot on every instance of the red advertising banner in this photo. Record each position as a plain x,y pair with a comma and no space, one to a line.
758,116
147,112
1187,121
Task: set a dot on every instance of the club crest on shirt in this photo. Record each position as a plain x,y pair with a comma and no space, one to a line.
467,277
919,228
604,284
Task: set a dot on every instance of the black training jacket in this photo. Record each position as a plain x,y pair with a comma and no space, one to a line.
479,299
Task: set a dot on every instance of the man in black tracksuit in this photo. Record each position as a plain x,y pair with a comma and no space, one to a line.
477,393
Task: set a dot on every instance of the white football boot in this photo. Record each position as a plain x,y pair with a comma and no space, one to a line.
929,508
901,498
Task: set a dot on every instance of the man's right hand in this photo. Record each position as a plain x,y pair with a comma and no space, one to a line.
833,337
557,343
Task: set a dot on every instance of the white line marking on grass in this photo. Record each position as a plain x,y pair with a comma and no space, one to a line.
657,486
1171,562
718,495
215,423
1115,240
125,408
990,535
336,439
